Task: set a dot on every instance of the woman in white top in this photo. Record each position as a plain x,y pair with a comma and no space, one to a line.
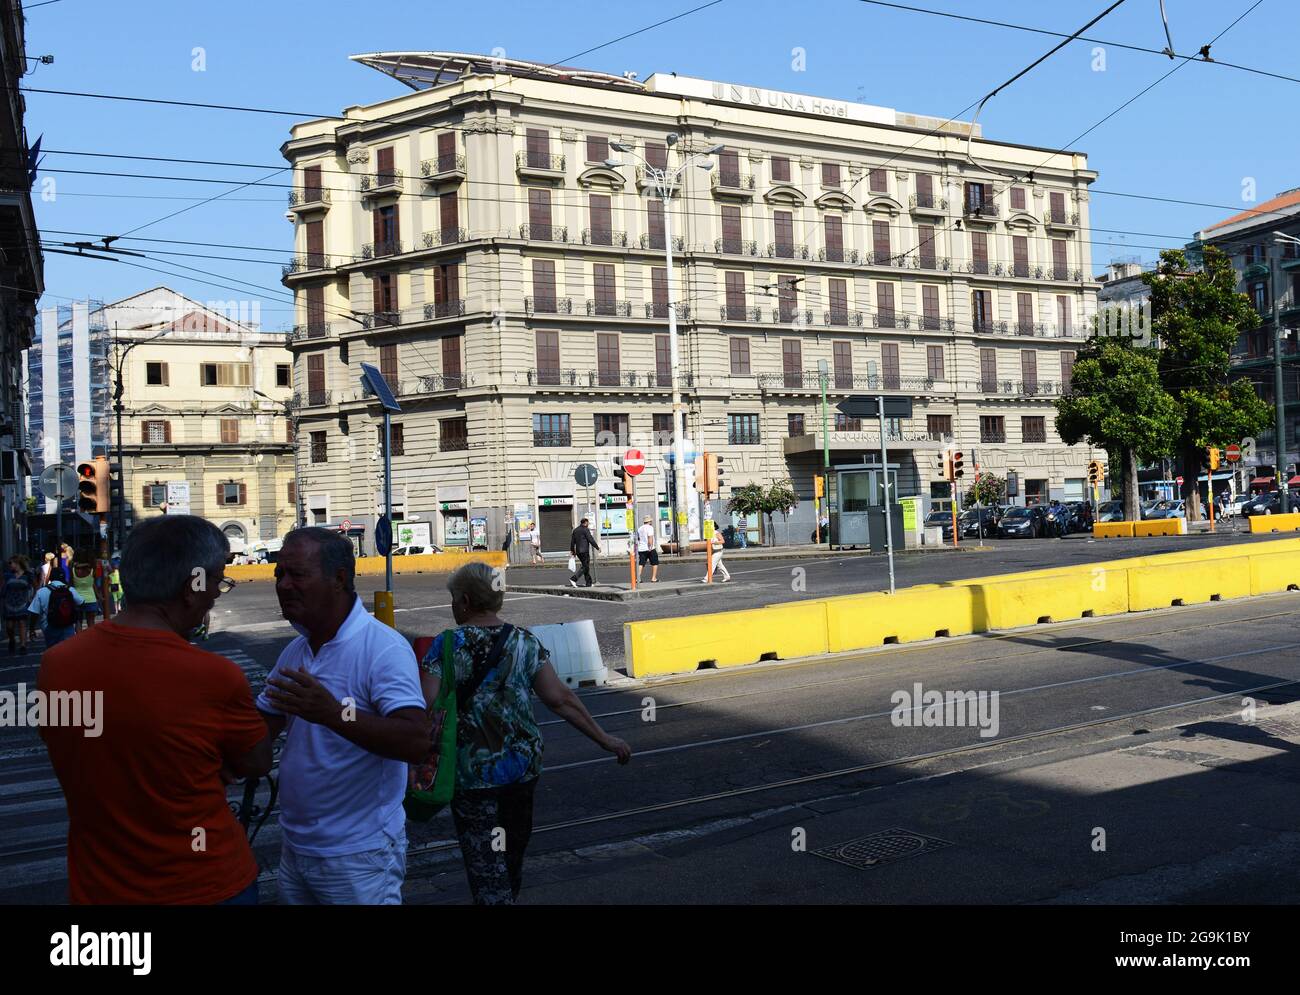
717,553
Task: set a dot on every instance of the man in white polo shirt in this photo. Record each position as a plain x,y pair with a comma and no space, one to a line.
347,694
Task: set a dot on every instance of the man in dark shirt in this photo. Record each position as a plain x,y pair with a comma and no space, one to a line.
581,543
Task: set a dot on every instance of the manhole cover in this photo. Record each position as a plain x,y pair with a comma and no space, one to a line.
882,847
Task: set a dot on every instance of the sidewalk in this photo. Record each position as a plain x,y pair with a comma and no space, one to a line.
808,551
621,592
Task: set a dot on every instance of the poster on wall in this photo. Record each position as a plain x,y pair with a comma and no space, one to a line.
178,497
414,534
478,533
524,523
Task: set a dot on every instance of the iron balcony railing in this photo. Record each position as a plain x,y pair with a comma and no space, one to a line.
1020,388
308,195
311,399
988,326
924,260
891,319
990,436
307,263
1065,273
784,250
1062,218
733,181
447,162
553,377
735,246
453,443
381,319
729,313
443,236
933,323
544,233
744,437
977,209
812,380
983,267
604,236
539,160
838,254
874,258
653,177
842,316
928,202
660,310
444,381
552,439
443,309
381,250
548,305
610,308
1031,328
371,182
657,241
311,330
803,316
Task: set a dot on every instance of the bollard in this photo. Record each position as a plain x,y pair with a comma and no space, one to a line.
384,608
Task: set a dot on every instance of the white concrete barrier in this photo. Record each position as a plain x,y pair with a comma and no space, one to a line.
575,654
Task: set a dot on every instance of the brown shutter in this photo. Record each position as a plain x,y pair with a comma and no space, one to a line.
448,216
146,496
243,493
144,431
167,431
293,494
221,495
164,374
384,161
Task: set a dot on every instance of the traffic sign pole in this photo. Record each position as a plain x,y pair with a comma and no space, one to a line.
632,544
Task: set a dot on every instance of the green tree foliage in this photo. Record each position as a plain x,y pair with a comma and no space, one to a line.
1197,316
753,499
989,489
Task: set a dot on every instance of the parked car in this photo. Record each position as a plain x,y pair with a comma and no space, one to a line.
941,520
979,522
414,550
1270,503
1110,511
1022,523
1169,509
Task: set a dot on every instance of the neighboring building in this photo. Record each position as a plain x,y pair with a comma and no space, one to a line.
1269,269
205,429
470,241
21,281
1122,284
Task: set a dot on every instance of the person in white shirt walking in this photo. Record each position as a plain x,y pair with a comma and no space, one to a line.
718,545
647,550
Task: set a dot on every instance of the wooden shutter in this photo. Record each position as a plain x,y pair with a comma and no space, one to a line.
833,228
736,296
388,365
925,189
451,356
1029,368
839,296
1058,206
316,373
880,240
663,361
543,285
293,494
783,221
601,219
384,161
1025,310
659,290
655,223
656,154
315,311
315,243
925,245
1020,254
934,362
780,169
539,145
889,364
988,365
1059,262
243,493
603,280
448,216
885,303
979,250
930,305
729,167
539,213
842,353
167,431
730,229
446,150
221,494
878,181
1018,198
311,181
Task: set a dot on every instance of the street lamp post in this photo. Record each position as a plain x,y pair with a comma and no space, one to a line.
664,179
1279,402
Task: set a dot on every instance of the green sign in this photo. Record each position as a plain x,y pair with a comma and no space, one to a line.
911,513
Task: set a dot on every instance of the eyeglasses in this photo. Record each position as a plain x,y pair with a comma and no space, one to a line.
226,585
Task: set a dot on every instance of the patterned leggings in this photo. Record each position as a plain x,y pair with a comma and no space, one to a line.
494,825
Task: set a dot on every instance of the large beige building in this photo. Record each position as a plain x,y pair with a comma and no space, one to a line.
206,420
471,239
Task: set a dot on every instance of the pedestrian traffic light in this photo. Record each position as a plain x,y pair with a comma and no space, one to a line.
957,471
93,486
1094,473
622,482
707,474
1214,458
945,464
717,474
819,486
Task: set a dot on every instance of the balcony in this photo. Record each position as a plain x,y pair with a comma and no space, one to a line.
1290,263
381,319
933,323
792,315
544,233
1061,220
981,211
735,247
1065,274
554,377
652,179
539,165
929,261
558,440
381,250
986,326
603,236
843,383
781,250
842,317
1021,388
660,310
443,236
658,241
982,267
874,258
991,436
727,184
311,330
928,204
838,254
453,444
444,168
434,382
548,305
891,319
381,184
609,308
311,399
307,199
443,309
311,262
749,314
1031,328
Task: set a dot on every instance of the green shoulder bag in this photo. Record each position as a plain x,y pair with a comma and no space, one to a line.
431,784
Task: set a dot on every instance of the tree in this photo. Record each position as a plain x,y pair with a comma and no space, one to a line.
1117,402
746,500
780,497
1197,316
990,489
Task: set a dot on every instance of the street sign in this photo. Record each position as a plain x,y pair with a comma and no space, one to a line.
1178,481
383,535
57,481
863,406
633,462
585,475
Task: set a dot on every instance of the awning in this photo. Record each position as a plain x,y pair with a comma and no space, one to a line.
1294,481
1261,480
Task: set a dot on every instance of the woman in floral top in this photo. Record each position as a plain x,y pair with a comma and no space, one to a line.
498,742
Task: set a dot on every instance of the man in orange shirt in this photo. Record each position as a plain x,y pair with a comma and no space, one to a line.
145,786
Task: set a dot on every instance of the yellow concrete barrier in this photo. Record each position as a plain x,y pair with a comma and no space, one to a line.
908,616
1161,527
1275,523
368,565
1080,593
1112,530
725,639
1270,573
1188,583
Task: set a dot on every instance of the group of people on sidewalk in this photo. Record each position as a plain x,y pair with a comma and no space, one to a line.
582,542
147,810
60,597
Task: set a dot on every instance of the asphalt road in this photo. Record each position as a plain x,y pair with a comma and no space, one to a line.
1130,726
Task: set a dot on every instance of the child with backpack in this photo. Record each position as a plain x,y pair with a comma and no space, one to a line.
55,607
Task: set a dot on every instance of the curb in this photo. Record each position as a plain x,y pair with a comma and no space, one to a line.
599,593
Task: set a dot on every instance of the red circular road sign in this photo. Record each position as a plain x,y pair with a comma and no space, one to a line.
1178,481
1232,453
345,525
633,461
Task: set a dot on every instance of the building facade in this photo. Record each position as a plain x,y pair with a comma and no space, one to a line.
474,240
205,428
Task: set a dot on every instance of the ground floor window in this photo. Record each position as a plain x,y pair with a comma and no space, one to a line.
1035,491
1075,489
940,496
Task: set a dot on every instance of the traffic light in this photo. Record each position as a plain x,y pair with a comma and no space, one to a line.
716,474
957,471
819,486
945,464
93,486
1214,458
622,482
708,476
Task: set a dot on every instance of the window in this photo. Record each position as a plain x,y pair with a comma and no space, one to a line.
1063,320
845,423
315,244
156,431
601,219
661,426
787,293
1019,255
311,183
742,430
446,151
842,355
833,233
885,305
1035,492
231,493
451,368
388,365
659,291
1058,206
938,427
539,214
988,370
878,182
656,154
977,196
384,172
155,495
1033,429
655,224
830,174
229,430
316,378
1060,260
839,301
544,286
290,431
982,310
792,362
729,168
539,149
889,365
783,225
453,435
383,289
602,281
1017,198
224,374
794,425
1025,314
736,308
880,242
548,357
925,247
925,190
283,375
780,169
316,326
399,444
1067,370
607,359
446,289
929,307
739,356
731,229
941,496
934,362
663,361
155,374
319,448
992,428
1259,297
597,148
293,494
611,430
551,430
385,225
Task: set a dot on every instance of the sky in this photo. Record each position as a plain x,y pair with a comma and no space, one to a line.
1208,133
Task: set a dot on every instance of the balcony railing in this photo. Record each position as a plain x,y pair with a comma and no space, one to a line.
453,444
933,323
603,236
381,319
982,267
929,261
311,330
811,380
306,264
443,236
987,326
309,196
1065,273
540,161
728,313
443,381
1020,388
928,202
781,250
544,233
612,308
311,399
888,319
660,310
724,182
842,316
442,164
376,182
1023,271
443,309
553,377
975,209
1068,219
381,250
552,439
548,305
652,178
838,254
649,241
735,246
1030,328
801,316
874,258
992,436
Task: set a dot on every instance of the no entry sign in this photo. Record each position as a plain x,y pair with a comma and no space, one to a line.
633,461
1232,453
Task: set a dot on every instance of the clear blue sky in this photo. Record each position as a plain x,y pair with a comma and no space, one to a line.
1196,136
